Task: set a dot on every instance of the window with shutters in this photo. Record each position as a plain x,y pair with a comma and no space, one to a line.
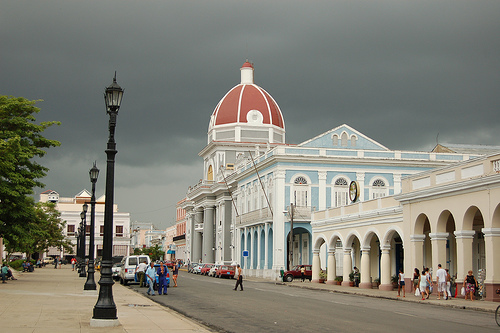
340,192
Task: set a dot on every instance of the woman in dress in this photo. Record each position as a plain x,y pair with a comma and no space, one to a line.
470,284
416,277
422,281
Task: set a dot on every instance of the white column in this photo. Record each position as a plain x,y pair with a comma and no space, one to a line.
322,190
464,252
258,248
316,266
385,268
438,243
365,272
266,246
347,266
360,178
280,238
331,273
418,251
492,253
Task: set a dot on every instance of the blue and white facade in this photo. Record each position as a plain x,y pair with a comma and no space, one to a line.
242,209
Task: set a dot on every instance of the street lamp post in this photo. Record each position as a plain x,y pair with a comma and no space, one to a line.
105,307
90,284
83,215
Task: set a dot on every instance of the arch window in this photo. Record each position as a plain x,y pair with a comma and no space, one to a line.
340,192
379,189
343,140
353,141
301,192
335,140
210,174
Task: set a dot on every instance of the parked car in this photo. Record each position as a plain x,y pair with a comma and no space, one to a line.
116,271
213,270
191,267
48,260
294,273
226,271
197,269
129,264
205,269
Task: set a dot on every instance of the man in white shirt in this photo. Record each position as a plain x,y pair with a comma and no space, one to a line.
140,270
441,281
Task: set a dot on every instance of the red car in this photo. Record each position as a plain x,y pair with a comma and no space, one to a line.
225,271
205,269
294,273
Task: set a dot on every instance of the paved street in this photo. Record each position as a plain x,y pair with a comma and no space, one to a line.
265,306
53,300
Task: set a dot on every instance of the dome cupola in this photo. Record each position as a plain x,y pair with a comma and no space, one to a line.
247,113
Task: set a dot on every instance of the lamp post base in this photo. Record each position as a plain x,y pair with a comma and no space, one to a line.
104,322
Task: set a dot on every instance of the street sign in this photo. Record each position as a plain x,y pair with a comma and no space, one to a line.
245,253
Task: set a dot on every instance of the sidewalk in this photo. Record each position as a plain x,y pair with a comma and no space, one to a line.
50,300
458,303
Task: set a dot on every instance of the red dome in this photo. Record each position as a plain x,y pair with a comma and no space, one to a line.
246,97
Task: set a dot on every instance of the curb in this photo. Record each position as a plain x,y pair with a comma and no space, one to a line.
390,298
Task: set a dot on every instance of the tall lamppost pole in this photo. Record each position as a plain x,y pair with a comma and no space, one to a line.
105,307
90,284
83,215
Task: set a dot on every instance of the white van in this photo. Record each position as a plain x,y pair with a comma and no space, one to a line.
129,264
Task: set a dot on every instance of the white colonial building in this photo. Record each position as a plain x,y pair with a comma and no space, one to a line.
448,215
254,186
70,209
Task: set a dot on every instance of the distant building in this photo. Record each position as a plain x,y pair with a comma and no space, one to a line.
179,239
70,209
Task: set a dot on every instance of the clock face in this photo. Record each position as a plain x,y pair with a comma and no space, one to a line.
354,191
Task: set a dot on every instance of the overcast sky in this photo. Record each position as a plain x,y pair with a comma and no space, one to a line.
401,72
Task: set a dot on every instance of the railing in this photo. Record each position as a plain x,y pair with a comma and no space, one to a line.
256,215
496,166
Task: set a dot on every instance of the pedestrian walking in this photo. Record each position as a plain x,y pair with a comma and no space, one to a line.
239,280
303,273
416,277
162,278
470,284
441,281
151,277
422,281
401,284
175,272
448,284
140,270
55,263
73,262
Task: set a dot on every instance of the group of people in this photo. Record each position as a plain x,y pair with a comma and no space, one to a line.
423,283
147,276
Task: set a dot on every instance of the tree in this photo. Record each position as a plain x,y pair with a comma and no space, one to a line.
21,141
41,233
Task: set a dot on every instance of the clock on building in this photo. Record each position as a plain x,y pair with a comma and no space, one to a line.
354,191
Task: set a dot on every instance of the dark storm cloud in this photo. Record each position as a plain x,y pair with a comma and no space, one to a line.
399,71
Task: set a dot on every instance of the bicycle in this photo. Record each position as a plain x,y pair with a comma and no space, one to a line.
497,312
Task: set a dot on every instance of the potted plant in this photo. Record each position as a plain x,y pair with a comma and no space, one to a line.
339,280
351,279
394,280
322,276
376,283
